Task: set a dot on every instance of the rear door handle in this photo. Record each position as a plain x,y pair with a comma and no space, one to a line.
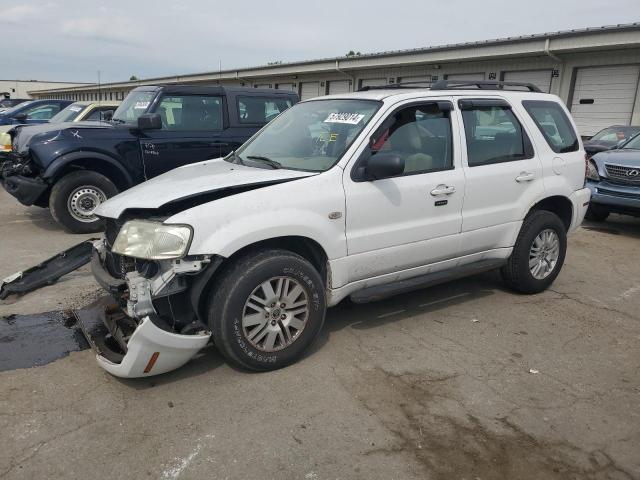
525,177
443,190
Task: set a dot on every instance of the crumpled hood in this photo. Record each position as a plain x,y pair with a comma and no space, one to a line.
22,134
190,181
628,157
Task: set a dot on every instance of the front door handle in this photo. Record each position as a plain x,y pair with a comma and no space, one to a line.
525,177
443,190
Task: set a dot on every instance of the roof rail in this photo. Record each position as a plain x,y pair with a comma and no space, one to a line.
482,84
394,86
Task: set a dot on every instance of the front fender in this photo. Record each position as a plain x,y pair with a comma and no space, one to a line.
57,165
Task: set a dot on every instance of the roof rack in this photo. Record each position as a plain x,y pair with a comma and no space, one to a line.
456,85
482,84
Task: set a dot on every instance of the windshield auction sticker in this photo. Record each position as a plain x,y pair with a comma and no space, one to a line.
351,118
141,105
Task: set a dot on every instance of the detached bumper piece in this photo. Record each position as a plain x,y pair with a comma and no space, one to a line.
129,350
26,190
47,272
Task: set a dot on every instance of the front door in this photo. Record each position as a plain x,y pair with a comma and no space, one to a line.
503,174
413,219
192,129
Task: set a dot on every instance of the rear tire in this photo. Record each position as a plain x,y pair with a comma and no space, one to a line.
267,309
538,254
596,213
74,197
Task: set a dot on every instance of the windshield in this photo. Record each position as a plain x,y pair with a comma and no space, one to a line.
133,106
68,114
614,134
633,144
17,108
309,136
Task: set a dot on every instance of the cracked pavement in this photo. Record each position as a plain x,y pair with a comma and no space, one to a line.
434,384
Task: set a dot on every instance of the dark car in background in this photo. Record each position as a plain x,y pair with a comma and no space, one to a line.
609,138
33,111
73,167
6,103
614,179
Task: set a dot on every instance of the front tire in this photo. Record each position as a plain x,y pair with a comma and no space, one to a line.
267,309
74,198
538,254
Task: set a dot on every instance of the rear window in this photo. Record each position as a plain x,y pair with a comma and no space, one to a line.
554,125
261,110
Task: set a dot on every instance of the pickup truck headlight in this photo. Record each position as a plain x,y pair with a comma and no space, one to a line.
592,171
152,240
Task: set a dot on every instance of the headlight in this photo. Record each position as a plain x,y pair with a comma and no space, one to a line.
592,171
152,240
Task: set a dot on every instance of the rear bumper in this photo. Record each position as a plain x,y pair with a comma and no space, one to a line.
615,197
26,190
580,200
133,347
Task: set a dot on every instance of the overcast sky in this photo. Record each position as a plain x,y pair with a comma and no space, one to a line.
69,40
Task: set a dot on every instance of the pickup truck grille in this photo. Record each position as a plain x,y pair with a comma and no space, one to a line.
622,174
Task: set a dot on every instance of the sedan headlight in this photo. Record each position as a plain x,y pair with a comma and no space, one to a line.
152,240
592,171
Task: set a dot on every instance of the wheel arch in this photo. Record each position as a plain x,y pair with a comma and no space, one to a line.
558,204
93,161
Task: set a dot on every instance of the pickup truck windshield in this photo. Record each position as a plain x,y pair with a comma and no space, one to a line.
133,106
310,136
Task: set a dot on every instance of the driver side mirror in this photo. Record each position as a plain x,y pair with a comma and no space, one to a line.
150,121
21,117
384,165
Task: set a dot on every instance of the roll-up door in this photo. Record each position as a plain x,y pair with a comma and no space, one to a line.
338,86
424,81
262,85
604,96
309,90
466,76
540,78
287,86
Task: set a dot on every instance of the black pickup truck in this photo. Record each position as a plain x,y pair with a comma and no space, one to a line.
73,167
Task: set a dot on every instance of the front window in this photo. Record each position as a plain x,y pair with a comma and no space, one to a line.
191,112
133,106
68,114
310,136
42,112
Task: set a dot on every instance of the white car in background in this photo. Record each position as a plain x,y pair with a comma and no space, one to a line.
365,195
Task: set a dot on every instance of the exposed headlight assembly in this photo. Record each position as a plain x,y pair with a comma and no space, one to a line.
592,171
152,240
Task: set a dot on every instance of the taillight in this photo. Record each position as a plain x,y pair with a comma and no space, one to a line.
586,169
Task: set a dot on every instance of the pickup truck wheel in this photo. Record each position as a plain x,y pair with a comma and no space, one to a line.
74,198
267,309
596,213
538,254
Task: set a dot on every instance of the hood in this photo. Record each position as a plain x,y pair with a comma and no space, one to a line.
627,157
22,134
192,181
598,146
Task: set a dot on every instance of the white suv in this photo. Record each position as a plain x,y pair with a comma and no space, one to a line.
364,195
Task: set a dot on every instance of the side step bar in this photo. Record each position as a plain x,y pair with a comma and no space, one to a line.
379,292
47,272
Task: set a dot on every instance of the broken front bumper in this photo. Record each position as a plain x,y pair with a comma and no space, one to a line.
26,190
135,343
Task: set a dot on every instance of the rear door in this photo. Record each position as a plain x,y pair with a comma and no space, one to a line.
503,174
191,132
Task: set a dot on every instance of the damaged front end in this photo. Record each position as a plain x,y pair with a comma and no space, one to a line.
150,323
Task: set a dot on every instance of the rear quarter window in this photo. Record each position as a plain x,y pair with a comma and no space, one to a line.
554,125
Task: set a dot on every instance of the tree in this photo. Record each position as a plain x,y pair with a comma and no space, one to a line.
133,77
351,53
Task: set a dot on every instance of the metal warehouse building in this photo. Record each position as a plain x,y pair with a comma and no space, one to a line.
595,71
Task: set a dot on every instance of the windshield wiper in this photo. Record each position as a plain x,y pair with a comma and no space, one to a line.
272,163
117,120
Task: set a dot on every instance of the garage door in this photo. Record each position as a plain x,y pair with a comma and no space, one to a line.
287,86
465,76
604,96
419,81
338,86
262,85
309,90
540,78
373,82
